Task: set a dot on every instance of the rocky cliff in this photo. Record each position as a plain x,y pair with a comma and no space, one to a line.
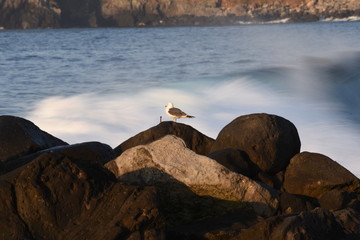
23,14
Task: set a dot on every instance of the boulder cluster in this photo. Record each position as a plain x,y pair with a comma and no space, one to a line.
25,14
173,182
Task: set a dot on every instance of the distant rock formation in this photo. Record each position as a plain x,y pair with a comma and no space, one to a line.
155,186
23,14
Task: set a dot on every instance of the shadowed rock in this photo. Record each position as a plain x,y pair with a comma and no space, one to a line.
270,141
317,224
54,197
349,220
95,152
194,139
235,160
27,14
19,137
292,203
202,175
336,199
313,174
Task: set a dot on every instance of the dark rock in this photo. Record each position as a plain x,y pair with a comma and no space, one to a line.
26,14
291,203
317,224
80,13
270,141
94,152
193,139
336,199
19,137
349,220
54,197
235,160
238,161
313,174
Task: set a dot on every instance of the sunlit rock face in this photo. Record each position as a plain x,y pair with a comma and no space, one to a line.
204,176
25,14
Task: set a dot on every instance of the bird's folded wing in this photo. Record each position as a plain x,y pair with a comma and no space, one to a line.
176,112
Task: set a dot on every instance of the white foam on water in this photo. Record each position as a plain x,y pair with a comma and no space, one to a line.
346,19
112,119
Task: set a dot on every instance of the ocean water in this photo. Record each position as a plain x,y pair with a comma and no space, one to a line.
109,84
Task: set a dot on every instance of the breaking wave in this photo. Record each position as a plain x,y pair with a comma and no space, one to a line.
319,96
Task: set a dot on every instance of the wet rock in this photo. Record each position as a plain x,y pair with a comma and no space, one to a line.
19,137
194,139
313,174
54,197
202,175
270,141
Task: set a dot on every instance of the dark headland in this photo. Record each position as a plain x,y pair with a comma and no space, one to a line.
30,14
171,181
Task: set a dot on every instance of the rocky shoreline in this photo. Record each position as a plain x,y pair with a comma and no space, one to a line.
173,182
30,14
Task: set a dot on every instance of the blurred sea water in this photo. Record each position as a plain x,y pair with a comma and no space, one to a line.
108,84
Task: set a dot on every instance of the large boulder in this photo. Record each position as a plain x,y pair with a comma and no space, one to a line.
92,152
313,174
194,139
270,141
169,158
55,197
19,137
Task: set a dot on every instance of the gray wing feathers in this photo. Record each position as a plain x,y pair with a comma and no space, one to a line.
176,112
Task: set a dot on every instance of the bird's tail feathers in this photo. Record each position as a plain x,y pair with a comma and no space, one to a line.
188,116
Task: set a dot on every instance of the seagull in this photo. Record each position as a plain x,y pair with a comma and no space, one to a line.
175,113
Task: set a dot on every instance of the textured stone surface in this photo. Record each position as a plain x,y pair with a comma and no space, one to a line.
317,224
235,160
94,152
202,175
164,190
194,139
19,137
27,14
54,197
270,141
313,174
291,203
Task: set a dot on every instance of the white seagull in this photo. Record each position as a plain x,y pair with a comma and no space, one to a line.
175,113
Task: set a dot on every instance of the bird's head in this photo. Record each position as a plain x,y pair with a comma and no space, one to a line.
169,105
